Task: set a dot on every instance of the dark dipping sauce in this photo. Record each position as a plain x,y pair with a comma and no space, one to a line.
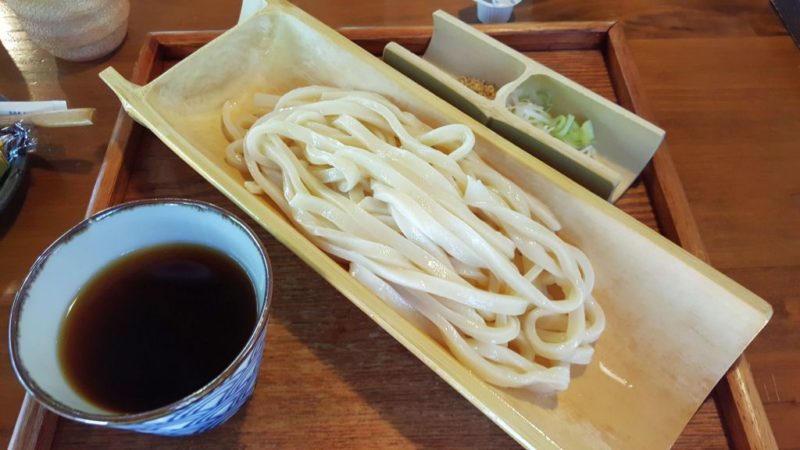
155,326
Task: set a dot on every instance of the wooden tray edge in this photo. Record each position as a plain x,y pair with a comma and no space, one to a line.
736,394
36,425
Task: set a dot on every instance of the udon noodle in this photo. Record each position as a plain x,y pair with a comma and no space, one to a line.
453,245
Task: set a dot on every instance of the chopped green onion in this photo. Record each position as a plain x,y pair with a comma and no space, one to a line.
536,110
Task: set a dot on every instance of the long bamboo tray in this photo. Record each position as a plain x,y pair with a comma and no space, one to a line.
349,395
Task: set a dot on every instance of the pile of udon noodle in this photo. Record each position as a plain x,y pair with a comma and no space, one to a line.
458,249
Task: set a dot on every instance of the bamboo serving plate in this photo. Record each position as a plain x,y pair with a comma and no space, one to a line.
675,325
624,141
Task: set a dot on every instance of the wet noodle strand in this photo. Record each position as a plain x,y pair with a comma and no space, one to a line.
454,246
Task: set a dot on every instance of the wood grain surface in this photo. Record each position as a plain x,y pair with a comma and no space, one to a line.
316,338
130,153
741,407
721,77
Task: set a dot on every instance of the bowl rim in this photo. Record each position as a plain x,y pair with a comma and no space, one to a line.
64,410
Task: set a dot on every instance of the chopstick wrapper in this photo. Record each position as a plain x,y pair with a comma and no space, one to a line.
52,113
8,108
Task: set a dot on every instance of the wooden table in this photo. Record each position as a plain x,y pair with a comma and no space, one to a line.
723,78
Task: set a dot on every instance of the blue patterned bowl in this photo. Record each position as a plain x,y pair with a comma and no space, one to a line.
55,278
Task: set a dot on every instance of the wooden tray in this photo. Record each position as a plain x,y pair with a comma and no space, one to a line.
331,377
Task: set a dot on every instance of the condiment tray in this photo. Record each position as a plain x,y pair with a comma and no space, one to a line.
624,141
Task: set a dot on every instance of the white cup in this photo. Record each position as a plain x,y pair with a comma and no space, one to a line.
71,261
499,12
74,30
